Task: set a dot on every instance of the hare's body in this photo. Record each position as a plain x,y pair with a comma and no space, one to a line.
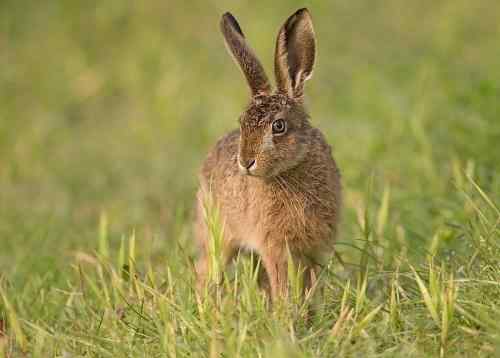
297,209
274,181
294,208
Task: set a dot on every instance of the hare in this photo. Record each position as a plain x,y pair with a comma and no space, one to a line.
273,180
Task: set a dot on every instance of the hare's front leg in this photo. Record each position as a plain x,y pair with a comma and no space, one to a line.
275,261
276,265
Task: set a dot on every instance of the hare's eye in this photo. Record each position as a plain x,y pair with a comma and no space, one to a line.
279,126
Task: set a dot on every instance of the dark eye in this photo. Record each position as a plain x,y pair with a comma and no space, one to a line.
279,126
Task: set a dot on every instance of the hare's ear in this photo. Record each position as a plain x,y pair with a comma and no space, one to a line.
295,53
244,56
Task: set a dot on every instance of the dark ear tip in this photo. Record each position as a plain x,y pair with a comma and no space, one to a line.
229,19
227,16
300,14
303,12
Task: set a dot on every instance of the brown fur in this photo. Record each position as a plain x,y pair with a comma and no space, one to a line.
290,198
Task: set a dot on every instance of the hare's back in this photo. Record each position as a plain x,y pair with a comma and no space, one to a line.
221,162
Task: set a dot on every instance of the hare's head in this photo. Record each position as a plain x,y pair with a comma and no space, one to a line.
274,129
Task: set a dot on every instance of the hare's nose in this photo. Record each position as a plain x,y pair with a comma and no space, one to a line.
247,165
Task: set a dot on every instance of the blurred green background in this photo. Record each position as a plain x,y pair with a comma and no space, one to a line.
110,107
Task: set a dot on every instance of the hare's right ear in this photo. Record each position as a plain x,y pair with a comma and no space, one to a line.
295,53
244,56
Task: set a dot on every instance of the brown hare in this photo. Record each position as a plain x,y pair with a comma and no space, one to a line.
273,180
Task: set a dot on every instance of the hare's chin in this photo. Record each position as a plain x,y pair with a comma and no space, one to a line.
256,173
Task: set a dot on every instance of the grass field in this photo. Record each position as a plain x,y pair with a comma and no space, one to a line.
108,108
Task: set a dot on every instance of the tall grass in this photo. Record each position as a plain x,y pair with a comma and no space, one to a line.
112,307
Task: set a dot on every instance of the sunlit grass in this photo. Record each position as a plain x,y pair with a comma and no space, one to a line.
110,307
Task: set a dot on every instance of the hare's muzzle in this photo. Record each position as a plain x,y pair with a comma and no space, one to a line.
247,166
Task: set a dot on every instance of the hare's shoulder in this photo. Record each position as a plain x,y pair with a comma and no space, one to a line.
321,156
222,159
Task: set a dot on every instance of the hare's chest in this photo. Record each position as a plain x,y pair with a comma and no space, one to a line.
299,219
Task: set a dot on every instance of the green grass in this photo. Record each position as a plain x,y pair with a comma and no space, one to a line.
107,110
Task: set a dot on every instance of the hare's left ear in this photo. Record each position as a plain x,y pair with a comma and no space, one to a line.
295,53
244,56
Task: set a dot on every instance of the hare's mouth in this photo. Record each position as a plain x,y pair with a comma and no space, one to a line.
248,166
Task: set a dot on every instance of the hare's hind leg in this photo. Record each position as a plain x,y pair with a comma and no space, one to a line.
203,263
201,235
260,271
203,266
311,270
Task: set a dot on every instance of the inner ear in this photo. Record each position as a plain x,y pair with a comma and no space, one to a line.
295,54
